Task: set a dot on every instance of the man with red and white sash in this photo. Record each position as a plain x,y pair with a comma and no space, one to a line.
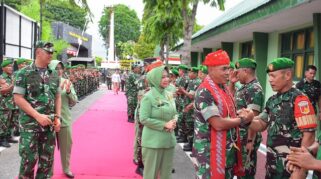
217,143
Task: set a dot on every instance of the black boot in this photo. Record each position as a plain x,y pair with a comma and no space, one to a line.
10,139
130,119
4,143
181,139
188,147
140,170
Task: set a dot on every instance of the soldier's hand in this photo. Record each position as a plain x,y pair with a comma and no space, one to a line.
43,120
300,157
57,125
246,114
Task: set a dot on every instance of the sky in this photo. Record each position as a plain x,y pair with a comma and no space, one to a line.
205,14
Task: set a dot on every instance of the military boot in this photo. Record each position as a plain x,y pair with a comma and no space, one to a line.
188,146
10,139
181,139
4,143
130,119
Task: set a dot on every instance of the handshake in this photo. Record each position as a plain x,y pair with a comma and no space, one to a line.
246,116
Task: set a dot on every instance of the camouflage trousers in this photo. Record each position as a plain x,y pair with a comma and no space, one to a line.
203,172
275,167
36,147
138,138
131,105
15,120
5,116
186,128
249,161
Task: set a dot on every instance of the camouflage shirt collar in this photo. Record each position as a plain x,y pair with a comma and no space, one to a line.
33,66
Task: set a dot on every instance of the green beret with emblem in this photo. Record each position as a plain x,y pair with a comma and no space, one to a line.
279,64
21,61
245,63
194,69
175,71
47,46
183,67
203,68
6,62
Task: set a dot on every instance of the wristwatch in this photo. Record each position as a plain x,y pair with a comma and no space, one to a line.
249,140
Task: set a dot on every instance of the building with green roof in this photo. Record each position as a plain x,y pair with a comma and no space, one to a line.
264,30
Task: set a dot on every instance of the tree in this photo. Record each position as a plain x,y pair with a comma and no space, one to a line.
98,60
144,49
126,49
189,8
162,23
127,25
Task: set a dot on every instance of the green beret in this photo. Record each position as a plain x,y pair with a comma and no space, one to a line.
194,69
6,62
183,67
29,61
232,65
21,61
47,46
245,63
279,64
203,68
175,72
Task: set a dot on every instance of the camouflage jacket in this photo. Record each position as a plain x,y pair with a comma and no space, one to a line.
204,108
7,99
182,81
191,88
312,90
283,130
250,96
39,87
131,84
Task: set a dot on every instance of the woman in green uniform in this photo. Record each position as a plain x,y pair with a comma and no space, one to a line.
158,115
68,99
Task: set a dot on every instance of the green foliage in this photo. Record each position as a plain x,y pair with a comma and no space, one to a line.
143,49
197,27
98,61
62,10
127,24
126,49
59,45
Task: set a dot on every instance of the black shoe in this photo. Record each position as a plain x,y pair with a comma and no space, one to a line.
16,133
135,161
181,140
131,120
69,175
12,140
187,148
4,143
191,155
173,170
140,170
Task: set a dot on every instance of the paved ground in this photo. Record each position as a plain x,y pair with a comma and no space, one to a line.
9,158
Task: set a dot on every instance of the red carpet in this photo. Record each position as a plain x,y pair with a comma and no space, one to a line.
102,142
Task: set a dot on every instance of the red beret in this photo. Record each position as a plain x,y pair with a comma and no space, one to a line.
217,58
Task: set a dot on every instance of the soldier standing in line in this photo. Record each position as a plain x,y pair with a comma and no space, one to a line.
181,84
217,144
188,110
7,105
249,96
289,119
37,94
131,92
202,72
311,87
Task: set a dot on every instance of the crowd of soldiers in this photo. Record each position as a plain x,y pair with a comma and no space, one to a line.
221,104
85,81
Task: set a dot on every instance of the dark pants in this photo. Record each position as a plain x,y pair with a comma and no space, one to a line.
122,84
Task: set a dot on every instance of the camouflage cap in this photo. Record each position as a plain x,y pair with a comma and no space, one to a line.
203,68
6,62
47,46
279,64
245,63
21,61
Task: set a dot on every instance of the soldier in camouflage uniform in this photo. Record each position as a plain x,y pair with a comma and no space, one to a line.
36,92
311,87
216,142
7,105
131,92
249,96
188,110
181,84
288,117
